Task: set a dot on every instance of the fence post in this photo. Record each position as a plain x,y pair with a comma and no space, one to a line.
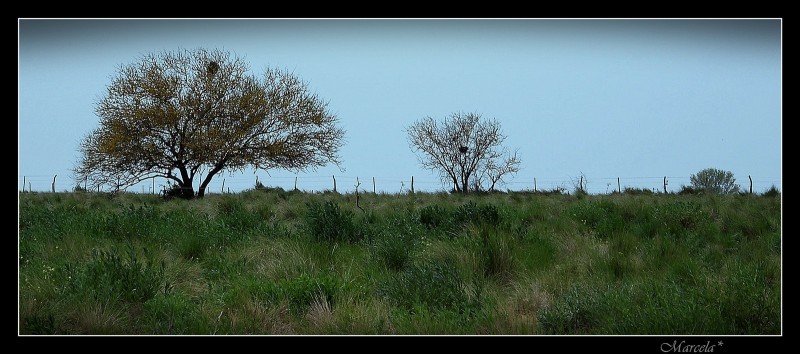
619,188
256,180
295,182
358,183
334,184
24,182
373,185
534,184
222,190
580,186
54,183
412,184
154,185
751,184
665,184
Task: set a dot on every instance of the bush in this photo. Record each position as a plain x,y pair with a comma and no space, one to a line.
111,275
176,191
772,192
579,311
235,215
496,254
434,284
637,191
602,216
689,190
393,250
476,215
715,181
451,221
681,217
327,222
433,216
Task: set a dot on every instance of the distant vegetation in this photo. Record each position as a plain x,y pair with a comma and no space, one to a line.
269,261
713,180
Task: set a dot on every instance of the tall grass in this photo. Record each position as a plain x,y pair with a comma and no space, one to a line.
267,261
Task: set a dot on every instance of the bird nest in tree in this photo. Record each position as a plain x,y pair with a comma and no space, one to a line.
463,149
212,67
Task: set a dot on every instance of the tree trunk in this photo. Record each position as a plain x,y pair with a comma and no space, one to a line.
186,189
204,183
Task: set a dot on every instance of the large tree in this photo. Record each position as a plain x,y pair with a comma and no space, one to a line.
182,114
465,149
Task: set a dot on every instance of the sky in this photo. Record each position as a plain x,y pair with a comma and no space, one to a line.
601,99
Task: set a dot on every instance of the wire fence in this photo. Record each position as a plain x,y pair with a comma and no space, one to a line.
400,184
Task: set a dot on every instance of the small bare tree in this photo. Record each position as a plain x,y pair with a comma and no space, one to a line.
465,149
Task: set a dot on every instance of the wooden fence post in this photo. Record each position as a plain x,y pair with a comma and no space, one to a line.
54,183
358,183
373,185
154,185
256,180
580,186
751,184
222,190
24,180
334,184
619,188
295,182
665,184
534,184
412,184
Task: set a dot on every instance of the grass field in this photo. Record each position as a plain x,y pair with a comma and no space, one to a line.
269,261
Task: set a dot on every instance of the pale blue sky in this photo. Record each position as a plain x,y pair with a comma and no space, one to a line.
635,99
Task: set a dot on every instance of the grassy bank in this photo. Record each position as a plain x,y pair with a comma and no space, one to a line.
277,262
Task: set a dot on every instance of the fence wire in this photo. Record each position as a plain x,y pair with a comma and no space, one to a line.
399,184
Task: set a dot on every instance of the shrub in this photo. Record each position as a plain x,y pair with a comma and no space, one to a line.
496,254
715,181
637,191
681,217
579,311
393,250
433,216
433,284
689,190
235,215
176,191
121,275
475,214
772,192
327,222
602,216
